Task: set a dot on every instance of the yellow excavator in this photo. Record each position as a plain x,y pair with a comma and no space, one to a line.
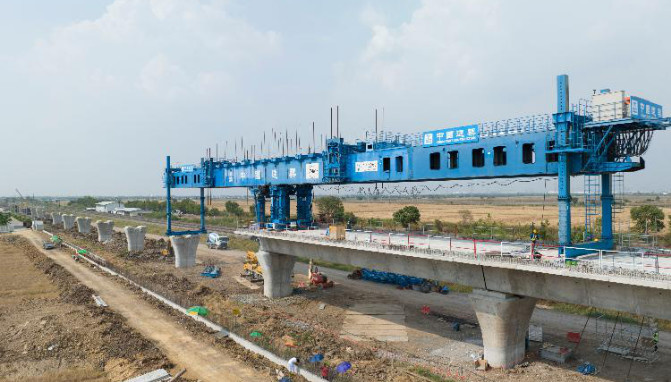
252,268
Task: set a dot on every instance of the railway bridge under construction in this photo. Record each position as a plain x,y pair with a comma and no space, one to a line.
596,139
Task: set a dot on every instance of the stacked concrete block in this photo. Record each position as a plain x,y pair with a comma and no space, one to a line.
83,224
135,238
68,221
185,250
56,218
105,230
277,270
504,320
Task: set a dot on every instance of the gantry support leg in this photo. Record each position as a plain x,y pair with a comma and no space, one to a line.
260,194
607,208
280,207
563,120
504,321
304,205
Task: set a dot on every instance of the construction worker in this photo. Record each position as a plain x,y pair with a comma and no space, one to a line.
655,339
534,238
292,365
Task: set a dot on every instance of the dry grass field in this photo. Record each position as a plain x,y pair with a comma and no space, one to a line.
507,209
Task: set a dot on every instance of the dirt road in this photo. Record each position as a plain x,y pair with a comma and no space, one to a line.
202,360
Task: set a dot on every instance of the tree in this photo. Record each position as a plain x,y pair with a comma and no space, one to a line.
438,225
84,202
648,218
350,218
331,208
466,216
4,218
234,208
407,215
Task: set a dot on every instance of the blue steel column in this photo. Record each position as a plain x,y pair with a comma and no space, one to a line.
168,206
279,204
607,207
285,204
304,205
274,204
562,121
202,209
259,205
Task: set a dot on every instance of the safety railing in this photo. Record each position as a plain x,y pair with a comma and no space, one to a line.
519,125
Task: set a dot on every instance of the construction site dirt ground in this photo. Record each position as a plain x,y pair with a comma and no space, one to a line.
51,330
312,321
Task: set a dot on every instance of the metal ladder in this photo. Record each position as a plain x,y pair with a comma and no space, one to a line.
591,193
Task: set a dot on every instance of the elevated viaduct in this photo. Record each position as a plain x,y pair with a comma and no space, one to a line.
505,289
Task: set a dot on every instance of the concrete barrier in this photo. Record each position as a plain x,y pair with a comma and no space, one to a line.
68,221
83,224
135,238
56,218
105,230
39,212
185,250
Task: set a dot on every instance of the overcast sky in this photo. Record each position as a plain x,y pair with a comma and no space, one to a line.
95,93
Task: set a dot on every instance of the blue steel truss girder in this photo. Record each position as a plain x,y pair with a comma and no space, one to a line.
531,147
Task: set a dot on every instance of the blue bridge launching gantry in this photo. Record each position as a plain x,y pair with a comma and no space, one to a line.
599,138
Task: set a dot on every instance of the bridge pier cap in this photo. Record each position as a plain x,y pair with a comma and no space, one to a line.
56,218
135,238
105,229
277,270
83,224
504,321
185,250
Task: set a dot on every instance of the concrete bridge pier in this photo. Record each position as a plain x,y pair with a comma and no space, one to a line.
68,221
105,230
277,270
504,321
185,250
83,224
135,238
56,218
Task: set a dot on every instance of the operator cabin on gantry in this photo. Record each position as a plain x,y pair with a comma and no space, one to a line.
600,137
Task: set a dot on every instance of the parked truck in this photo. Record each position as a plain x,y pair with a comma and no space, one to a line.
216,241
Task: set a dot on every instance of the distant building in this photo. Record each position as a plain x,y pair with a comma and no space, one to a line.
128,211
108,206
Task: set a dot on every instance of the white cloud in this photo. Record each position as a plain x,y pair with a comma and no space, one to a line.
167,48
441,39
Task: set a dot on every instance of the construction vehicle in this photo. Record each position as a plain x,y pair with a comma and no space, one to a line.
169,251
317,278
252,268
320,279
216,241
211,271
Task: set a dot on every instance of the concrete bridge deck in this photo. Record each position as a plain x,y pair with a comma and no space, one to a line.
505,288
